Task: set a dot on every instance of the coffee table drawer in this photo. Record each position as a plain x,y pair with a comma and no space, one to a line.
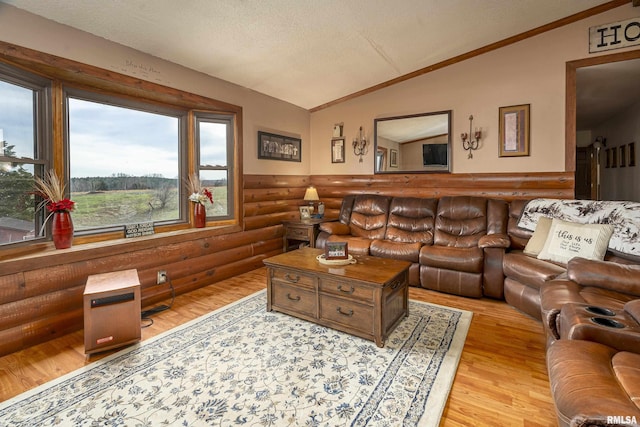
293,298
350,314
294,278
347,289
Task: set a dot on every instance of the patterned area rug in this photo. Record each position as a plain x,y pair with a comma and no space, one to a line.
242,365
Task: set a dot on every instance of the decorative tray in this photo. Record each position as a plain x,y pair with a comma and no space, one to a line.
322,260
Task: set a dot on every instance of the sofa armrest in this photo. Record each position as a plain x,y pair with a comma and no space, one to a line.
494,241
553,295
633,309
605,274
334,228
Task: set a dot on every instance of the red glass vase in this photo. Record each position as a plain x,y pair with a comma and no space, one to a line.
199,215
62,229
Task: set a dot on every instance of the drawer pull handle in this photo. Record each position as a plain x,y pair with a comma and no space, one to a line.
292,298
291,278
350,291
339,310
395,284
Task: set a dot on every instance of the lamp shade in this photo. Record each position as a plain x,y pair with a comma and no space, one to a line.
311,194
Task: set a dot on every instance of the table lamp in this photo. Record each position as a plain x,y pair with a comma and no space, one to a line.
311,196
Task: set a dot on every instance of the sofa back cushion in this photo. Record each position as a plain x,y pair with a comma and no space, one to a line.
369,216
460,221
411,219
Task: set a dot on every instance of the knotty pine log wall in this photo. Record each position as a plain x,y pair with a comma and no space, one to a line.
41,293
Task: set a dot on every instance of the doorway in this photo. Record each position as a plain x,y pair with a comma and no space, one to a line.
598,89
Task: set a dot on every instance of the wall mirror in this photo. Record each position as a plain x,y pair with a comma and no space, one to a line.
414,143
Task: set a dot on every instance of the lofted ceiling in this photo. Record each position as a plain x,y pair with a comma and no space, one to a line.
305,52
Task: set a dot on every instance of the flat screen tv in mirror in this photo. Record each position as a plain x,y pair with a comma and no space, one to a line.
413,143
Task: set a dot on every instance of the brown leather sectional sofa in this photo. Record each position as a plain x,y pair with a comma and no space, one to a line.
473,247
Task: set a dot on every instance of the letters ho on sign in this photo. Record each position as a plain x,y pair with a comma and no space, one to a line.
616,35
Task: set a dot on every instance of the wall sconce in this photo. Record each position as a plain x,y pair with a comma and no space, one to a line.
360,147
471,144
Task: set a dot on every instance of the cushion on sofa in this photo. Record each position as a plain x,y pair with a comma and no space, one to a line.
469,260
411,219
369,216
355,245
334,227
461,221
536,242
397,250
568,240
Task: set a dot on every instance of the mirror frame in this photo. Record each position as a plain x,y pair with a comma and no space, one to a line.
376,146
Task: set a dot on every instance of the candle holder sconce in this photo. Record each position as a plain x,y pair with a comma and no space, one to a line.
471,144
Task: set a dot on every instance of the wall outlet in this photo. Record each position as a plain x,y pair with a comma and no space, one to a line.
162,277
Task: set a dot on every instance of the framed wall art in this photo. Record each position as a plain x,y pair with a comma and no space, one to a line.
279,147
337,150
393,158
632,154
514,130
608,158
623,155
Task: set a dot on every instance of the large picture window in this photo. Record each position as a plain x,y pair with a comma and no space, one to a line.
123,148
124,163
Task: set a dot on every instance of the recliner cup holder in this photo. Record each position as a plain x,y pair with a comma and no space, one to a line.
610,323
601,311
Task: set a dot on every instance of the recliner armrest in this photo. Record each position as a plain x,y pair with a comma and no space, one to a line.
334,228
633,309
494,241
605,274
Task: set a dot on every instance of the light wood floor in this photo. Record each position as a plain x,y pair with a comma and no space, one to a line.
501,379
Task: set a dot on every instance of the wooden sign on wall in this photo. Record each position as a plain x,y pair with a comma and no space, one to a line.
616,35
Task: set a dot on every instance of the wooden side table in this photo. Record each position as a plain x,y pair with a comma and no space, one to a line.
303,230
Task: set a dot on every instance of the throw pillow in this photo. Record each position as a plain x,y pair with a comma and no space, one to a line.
567,240
539,237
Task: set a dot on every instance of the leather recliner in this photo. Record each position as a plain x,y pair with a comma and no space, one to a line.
362,220
409,227
470,238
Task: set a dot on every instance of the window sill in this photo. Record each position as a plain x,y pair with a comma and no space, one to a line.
40,255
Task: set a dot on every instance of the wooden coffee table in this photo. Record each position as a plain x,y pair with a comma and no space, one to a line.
367,299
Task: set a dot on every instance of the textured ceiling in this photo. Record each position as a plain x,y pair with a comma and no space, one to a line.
302,51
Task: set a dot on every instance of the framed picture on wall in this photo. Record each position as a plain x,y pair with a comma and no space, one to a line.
632,154
337,150
513,130
623,156
608,158
279,147
614,157
393,158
